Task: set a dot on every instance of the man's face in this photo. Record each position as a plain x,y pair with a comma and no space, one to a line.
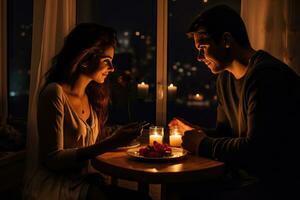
212,54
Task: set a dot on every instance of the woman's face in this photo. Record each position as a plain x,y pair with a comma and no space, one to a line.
105,66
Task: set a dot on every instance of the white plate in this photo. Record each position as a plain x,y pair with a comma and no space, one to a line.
176,154
133,144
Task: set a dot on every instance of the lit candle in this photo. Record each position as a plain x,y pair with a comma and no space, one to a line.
142,90
155,137
156,134
175,140
175,137
172,90
199,97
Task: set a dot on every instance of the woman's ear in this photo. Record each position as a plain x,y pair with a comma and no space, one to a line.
84,64
227,39
83,67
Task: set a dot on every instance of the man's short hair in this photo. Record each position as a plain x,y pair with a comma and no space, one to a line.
220,19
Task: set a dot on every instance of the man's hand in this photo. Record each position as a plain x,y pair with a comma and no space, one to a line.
192,139
182,125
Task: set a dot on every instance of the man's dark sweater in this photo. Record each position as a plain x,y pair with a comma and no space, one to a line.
258,121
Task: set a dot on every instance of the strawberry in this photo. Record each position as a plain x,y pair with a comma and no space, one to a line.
144,151
157,146
157,150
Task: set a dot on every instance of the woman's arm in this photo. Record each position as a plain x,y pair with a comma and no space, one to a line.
50,119
120,137
53,153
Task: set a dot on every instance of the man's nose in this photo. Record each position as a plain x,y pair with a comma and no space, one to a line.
200,56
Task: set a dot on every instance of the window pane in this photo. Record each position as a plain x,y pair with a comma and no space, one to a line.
133,89
192,95
19,55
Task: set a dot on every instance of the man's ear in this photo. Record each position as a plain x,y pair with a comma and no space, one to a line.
227,39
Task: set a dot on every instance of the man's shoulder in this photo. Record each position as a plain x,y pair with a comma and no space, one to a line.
267,66
264,61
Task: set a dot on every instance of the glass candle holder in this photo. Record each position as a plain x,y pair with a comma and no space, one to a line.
175,136
156,133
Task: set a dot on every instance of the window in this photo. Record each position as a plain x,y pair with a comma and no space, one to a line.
191,85
19,56
133,84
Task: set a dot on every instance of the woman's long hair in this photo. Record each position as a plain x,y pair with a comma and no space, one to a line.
84,44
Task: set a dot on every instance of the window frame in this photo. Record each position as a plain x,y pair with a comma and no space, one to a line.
161,62
3,61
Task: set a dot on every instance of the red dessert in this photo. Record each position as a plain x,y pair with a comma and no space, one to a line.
155,151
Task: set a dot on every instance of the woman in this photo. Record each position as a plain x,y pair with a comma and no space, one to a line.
72,111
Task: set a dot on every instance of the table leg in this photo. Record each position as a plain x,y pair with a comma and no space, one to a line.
143,187
163,192
167,192
114,181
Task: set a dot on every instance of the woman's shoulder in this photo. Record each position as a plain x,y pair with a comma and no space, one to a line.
52,91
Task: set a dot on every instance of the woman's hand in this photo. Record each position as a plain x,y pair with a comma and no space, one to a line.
125,134
121,137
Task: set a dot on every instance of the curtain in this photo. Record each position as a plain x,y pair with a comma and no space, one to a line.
52,21
274,26
3,62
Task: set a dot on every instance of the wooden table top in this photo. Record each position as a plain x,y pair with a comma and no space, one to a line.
189,169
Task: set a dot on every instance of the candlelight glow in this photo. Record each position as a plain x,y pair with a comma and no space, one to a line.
175,136
156,133
142,89
172,90
199,97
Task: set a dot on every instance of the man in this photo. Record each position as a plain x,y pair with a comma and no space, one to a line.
257,130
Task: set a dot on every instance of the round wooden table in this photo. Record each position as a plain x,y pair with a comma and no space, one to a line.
186,170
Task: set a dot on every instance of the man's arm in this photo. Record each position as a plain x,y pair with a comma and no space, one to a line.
264,97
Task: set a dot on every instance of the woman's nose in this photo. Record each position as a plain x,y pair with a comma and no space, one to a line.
111,68
200,56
